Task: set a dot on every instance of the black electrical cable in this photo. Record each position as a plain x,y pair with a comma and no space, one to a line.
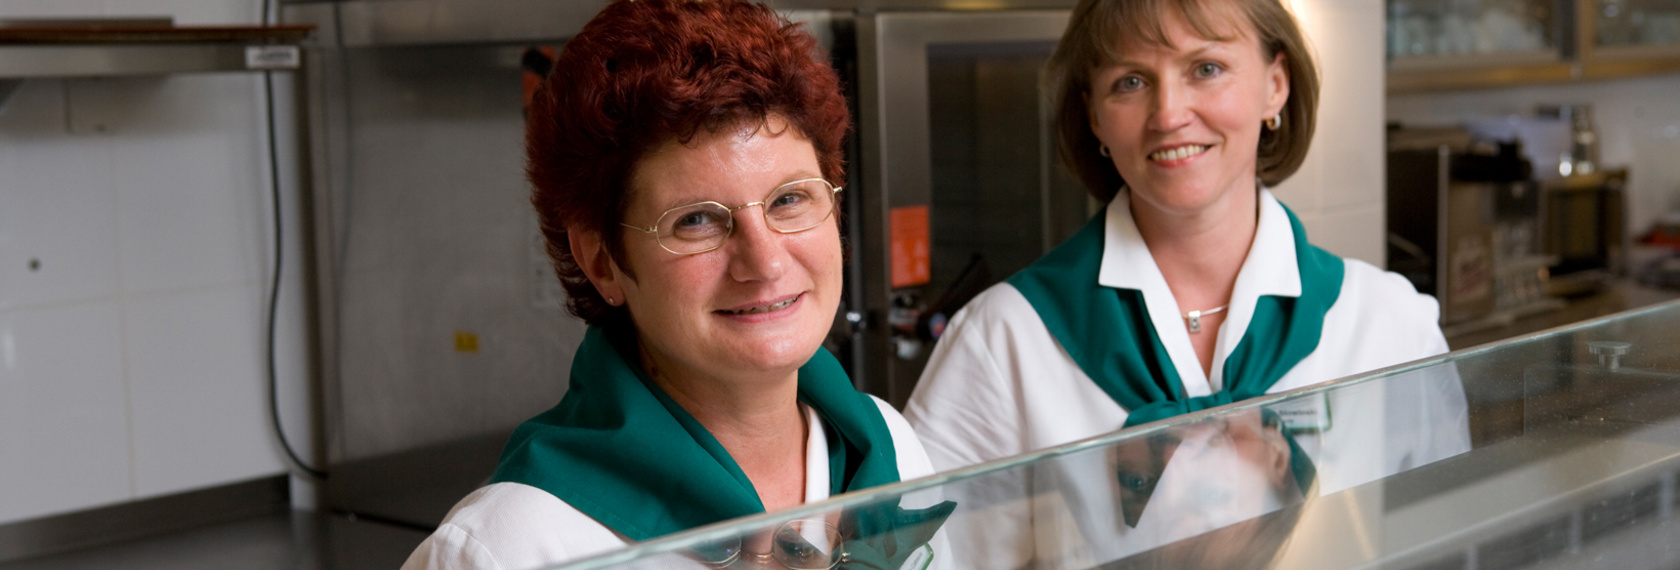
274,283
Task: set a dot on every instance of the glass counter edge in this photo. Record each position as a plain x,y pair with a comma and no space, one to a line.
731,528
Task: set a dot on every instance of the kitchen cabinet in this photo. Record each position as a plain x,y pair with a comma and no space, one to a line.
1435,45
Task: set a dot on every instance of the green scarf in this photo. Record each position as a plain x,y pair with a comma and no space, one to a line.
1108,332
620,450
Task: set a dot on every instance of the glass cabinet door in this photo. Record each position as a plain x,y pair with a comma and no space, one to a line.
1447,30
1620,23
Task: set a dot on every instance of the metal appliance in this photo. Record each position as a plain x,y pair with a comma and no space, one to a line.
1586,229
1584,204
960,182
1464,225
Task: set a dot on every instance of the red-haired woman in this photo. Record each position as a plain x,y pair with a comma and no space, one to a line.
683,156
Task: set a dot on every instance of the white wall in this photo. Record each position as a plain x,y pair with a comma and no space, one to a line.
1638,123
133,358
1338,193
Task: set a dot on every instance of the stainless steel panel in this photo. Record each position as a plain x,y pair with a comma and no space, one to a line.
36,61
416,22
410,22
425,232
986,66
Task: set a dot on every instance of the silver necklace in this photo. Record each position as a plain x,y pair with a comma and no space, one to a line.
1195,317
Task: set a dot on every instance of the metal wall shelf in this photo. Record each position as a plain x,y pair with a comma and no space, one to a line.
32,53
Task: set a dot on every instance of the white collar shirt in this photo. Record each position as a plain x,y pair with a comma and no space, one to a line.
998,384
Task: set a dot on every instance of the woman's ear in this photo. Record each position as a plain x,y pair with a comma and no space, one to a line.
1279,471
1277,76
592,256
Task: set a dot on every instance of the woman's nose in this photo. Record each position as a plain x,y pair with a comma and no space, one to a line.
1171,107
756,252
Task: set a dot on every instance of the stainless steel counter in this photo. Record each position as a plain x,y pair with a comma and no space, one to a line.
1622,294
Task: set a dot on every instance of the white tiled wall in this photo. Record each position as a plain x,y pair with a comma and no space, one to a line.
64,435
1338,193
135,253
196,400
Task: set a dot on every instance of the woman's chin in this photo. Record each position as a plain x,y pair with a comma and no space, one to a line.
773,351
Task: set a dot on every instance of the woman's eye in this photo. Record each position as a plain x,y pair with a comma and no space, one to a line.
1129,83
792,198
696,219
1208,70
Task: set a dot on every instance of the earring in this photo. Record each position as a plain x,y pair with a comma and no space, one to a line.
611,301
1273,123
1102,149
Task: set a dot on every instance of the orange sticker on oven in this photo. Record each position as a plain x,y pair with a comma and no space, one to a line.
910,248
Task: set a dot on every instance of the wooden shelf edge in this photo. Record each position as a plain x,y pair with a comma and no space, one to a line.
1402,82
1422,81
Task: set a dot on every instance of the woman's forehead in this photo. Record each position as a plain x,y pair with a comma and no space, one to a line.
1151,25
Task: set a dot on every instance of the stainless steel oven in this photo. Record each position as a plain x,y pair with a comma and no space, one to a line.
958,180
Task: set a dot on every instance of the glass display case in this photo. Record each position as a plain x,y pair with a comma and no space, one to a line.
1559,449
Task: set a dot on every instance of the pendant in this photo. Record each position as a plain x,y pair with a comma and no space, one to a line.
1195,321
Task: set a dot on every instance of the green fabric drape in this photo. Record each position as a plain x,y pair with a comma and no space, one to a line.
620,450
1109,334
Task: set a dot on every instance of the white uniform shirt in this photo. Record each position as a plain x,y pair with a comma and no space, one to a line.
514,526
999,384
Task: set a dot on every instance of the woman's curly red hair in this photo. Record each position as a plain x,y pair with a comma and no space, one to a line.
644,72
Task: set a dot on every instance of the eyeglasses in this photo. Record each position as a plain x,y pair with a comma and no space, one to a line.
703,226
796,544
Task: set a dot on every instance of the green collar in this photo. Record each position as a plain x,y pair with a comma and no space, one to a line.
677,476
1108,332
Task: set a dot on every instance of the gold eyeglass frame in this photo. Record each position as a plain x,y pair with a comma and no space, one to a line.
834,192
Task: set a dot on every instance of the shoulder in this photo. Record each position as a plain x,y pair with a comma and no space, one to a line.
1001,322
1000,304
981,351
512,525
912,457
977,357
1374,290
1377,301
972,401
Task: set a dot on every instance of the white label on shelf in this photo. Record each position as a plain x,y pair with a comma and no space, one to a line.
272,57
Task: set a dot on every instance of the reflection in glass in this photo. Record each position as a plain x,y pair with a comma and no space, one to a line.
1559,450
1224,493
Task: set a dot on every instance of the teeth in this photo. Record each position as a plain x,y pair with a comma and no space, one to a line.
766,308
1178,153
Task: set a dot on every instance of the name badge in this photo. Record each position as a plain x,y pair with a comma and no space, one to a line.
1305,415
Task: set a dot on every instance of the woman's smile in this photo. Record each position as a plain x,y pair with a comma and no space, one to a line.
1175,155
757,308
